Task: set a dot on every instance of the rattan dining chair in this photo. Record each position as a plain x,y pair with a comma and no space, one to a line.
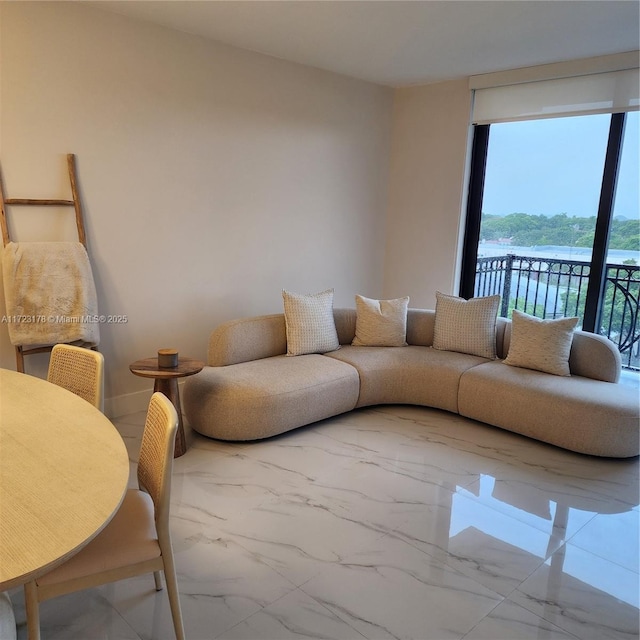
137,540
79,370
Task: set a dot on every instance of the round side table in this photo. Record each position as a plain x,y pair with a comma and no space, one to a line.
166,381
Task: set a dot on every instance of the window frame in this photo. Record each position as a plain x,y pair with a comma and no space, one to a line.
598,269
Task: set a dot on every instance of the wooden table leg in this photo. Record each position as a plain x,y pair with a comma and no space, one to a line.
33,610
169,386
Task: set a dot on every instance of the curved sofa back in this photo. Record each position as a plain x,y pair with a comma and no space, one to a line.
246,339
420,324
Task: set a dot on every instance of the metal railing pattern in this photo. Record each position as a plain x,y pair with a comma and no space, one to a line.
553,288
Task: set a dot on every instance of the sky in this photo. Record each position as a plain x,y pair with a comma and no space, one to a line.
555,166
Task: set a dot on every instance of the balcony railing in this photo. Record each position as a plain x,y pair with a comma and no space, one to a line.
551,288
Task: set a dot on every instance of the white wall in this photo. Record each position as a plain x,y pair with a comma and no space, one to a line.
426,190
211,177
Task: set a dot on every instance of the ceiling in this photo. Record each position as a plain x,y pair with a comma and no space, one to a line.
400,43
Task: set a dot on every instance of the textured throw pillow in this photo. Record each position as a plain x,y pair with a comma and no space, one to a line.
466,326
543,345
381,323
309,323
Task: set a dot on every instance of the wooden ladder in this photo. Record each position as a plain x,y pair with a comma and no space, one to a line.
43,202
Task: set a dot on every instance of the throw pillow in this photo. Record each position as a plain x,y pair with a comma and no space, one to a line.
466,326
381,323
309,323
543,345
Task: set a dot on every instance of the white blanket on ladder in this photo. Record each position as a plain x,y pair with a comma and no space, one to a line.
50,293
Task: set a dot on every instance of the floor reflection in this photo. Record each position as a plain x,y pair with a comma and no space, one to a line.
388,522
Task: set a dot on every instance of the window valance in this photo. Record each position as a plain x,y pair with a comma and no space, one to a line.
533,94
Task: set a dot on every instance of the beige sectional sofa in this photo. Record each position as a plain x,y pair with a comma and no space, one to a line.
252,389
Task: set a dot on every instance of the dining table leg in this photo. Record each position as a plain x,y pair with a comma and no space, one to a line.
33,610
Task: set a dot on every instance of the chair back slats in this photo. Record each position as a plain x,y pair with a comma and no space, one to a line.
79,370
156,454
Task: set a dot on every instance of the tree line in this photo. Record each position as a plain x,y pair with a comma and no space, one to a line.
528,230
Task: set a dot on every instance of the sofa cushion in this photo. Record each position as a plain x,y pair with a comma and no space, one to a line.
407,375
309,323
381,323
466,326
580,414
543,345
262,398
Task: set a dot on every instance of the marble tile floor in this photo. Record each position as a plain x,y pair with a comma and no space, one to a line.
387,522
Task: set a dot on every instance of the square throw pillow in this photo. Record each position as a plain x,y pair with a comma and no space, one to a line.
381,323
466,326
309,323
543,345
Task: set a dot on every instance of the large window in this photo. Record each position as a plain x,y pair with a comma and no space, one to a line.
553,221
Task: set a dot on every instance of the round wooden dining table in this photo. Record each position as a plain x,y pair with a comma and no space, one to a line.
64,470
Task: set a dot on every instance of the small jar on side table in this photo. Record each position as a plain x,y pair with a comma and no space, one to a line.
166,381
